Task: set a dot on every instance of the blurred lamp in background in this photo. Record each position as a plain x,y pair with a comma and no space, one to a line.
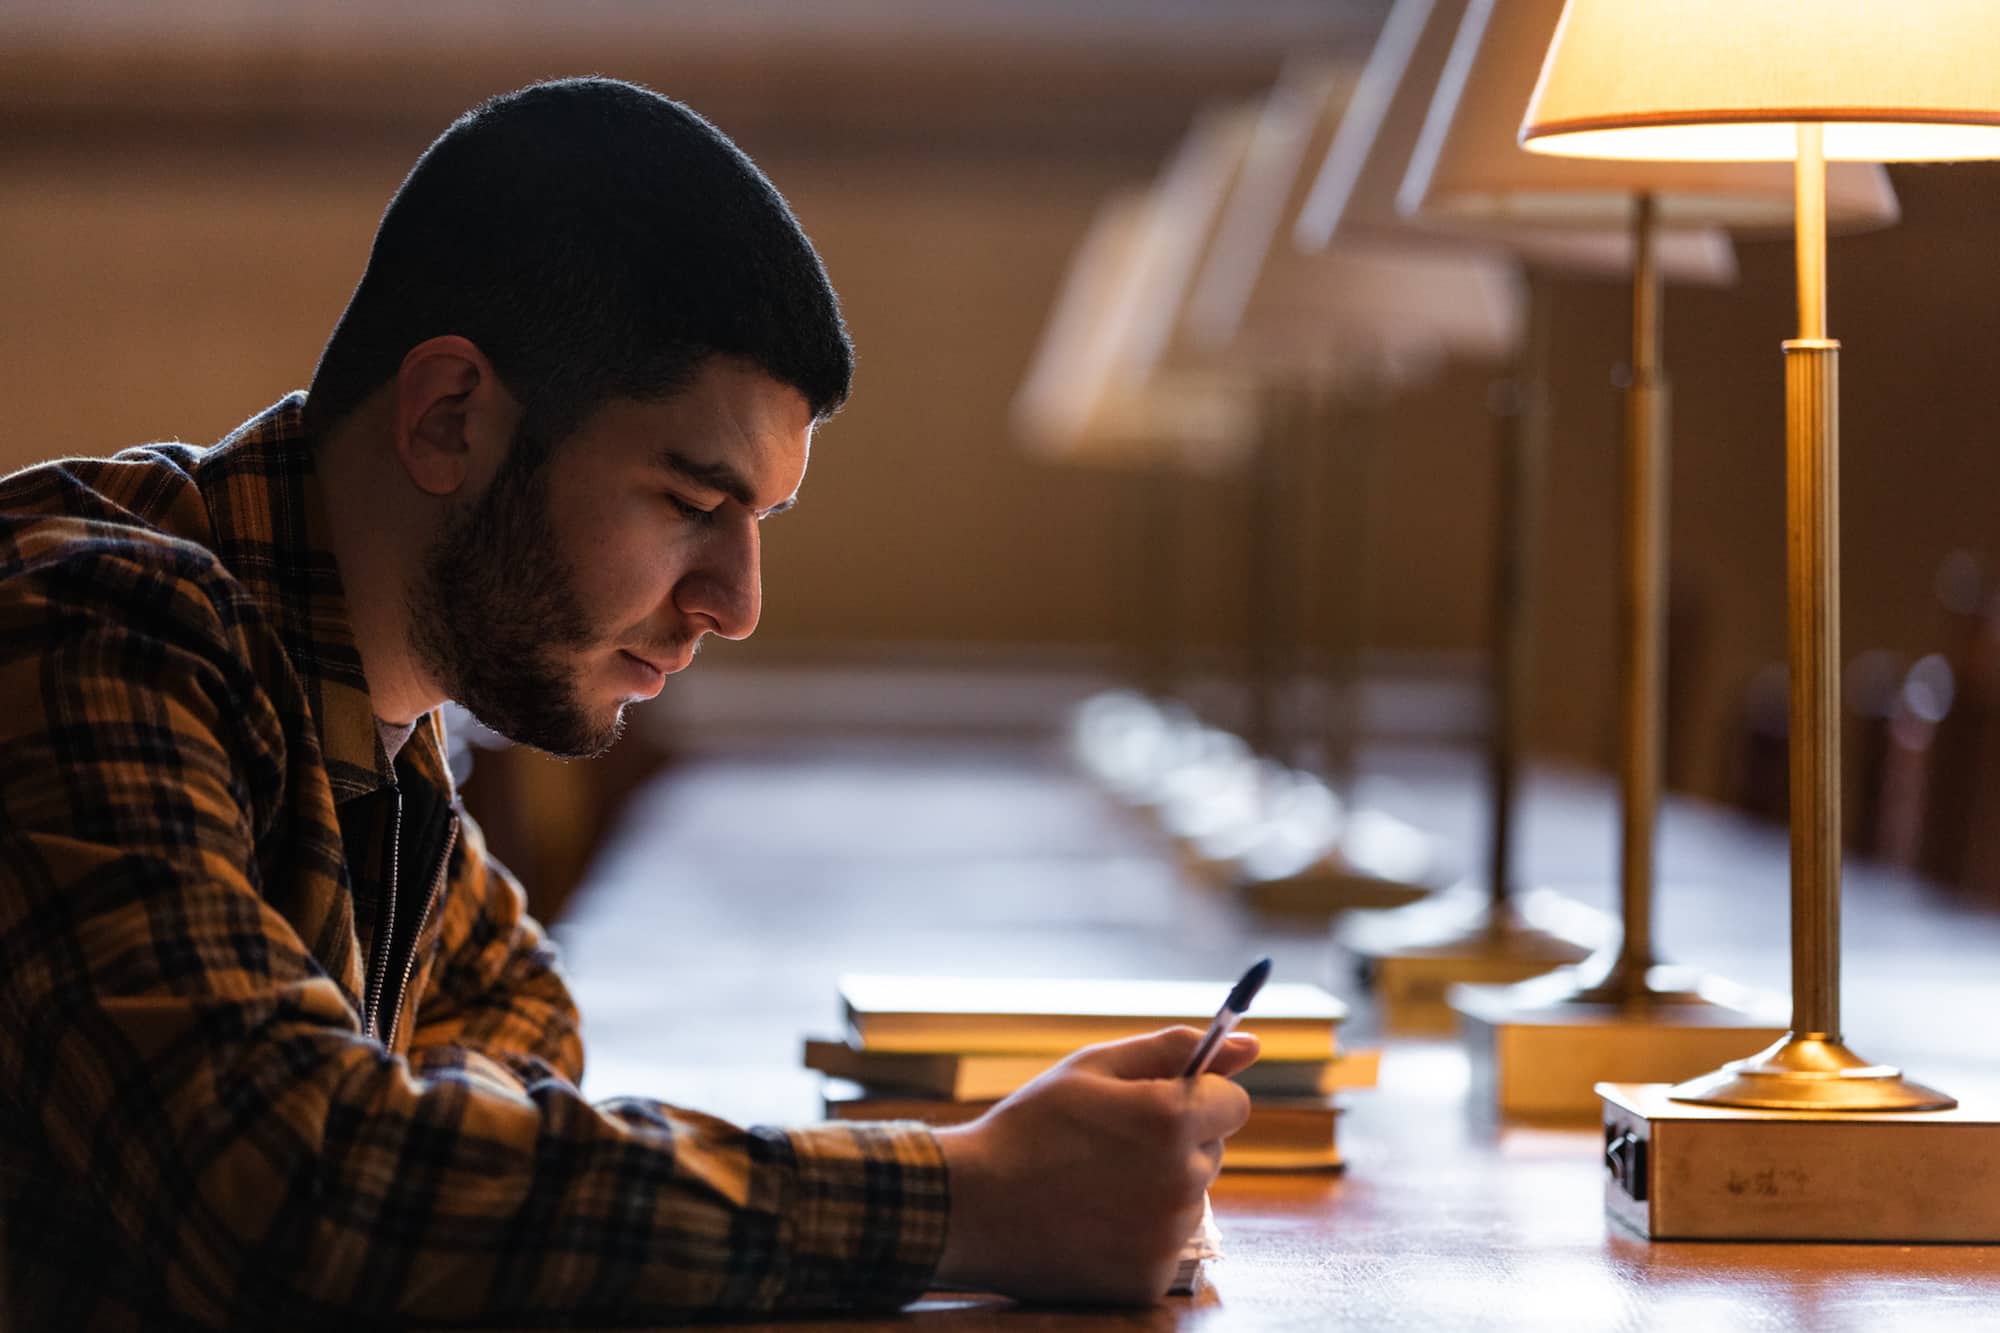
1493,932
1623,1015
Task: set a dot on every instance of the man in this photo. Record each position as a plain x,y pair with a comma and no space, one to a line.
278,1045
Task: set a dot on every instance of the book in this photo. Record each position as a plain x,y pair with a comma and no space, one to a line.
1282,1134
989,1077
1044,1016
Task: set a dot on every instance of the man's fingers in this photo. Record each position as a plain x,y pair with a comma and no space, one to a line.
1237,1054
1162,1054
1219,1109
1165,1054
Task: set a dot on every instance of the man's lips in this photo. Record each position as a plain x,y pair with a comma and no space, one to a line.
647,662
664,664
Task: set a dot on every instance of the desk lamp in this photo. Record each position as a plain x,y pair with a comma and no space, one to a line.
1787,80
1622,1014
1096,393
1116,379
1637,81
1328,334
1073,408
1494,932
1207,786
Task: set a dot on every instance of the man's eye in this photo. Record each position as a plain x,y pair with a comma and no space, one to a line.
693,513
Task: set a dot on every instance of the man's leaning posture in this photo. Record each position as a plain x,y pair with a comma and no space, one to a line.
278,1046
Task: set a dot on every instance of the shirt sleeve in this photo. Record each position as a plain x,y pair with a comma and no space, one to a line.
493,990
180,1058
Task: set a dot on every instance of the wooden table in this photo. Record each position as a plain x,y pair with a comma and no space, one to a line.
740,887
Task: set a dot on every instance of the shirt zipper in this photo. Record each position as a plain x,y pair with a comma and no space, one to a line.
423,920
385,936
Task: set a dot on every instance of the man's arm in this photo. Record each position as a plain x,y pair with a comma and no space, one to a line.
493,991
181,1058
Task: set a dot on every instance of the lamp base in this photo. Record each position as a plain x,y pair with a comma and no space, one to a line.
1810,1074
1538,1048
1414,955
1328,887
1323,887
1377,863
1684,1172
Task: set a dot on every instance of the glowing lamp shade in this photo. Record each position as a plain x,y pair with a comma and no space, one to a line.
1728,80
1368,153
1467,166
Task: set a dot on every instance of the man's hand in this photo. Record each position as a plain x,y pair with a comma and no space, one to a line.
1084,1185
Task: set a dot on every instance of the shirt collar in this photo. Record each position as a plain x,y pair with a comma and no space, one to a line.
271,530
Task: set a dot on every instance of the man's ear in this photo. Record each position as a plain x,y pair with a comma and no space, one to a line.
453,417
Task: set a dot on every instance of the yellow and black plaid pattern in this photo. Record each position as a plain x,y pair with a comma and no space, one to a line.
221,1101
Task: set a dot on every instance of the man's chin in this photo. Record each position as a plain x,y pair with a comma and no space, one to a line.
571,737
586,745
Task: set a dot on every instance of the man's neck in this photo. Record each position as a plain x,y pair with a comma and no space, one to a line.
377,522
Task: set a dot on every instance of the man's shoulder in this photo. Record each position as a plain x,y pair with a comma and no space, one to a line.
138,506
148,491
127,535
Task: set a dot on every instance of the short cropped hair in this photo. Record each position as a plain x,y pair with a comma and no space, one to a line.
595,240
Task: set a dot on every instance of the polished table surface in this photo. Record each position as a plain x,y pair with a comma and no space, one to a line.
707,939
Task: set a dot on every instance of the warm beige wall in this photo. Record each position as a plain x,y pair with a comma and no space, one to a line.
161,289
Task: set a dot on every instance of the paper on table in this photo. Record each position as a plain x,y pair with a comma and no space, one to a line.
1204,1244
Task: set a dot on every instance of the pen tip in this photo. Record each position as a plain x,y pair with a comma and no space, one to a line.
1253,981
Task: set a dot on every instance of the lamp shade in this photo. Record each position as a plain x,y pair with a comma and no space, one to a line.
1468,164
1719,80
1089,396
1353,198
1387,310
1067,406
1189,204
1158,395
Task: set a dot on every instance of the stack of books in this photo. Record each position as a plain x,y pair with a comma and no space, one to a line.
944,1049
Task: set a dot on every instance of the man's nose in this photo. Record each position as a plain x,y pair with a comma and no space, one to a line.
726,586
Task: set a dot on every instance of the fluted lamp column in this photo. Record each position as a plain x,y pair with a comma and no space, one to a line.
1721,81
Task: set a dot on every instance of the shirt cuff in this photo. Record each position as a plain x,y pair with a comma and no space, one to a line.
868,1218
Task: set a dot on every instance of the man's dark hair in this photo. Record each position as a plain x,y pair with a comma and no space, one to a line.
596,240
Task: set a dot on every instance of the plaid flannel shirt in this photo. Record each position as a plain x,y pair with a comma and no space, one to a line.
278,1045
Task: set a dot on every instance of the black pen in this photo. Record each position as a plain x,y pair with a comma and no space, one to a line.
1228,1016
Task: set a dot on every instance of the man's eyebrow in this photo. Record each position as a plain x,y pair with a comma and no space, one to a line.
716,476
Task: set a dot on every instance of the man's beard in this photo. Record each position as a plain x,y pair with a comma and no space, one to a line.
494,613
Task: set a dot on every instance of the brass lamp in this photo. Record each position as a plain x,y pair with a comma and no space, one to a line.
1323,332
1500,934
1099,395
1074,408
1095,395
1723,81
1652,1019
